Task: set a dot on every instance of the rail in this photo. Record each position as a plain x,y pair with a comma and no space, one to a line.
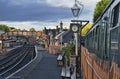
16,60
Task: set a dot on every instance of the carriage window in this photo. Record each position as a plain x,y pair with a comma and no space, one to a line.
114,45
115,15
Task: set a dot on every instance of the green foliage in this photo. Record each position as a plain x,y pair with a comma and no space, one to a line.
69,50
99,8
12,29
4,27
24,30
32,29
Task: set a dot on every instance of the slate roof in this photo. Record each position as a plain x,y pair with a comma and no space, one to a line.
66,35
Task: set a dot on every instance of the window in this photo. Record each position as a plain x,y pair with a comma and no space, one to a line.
96,39
115,15
114,51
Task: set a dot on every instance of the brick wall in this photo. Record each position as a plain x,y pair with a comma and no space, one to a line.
95,68
54,49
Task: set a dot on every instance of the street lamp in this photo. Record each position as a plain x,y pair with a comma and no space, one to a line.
50,38
75,27
75,10
61,29
61,26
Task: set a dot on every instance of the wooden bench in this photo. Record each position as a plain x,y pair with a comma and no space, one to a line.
60,60
65,73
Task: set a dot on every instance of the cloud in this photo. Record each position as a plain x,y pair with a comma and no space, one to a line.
55,3
61,3
69,3
28,24
34,12
39,13
88,8
23,25
22,2
38,25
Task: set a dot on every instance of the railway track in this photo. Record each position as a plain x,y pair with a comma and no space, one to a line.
16,59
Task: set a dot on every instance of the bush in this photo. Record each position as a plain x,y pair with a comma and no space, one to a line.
69,50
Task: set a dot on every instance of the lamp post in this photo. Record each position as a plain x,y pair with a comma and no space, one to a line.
61,29
75,10
76,26
50,37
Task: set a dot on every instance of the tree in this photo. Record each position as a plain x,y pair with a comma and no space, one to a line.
4,28
24,30
69,50
12,29
100,8
32,29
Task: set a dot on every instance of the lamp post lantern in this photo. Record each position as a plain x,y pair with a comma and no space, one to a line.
75,10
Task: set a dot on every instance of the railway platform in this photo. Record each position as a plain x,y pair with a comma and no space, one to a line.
46,69
44,66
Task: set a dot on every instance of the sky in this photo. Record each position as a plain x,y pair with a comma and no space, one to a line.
25,14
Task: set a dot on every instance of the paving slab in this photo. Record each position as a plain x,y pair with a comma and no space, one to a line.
46,69
25,70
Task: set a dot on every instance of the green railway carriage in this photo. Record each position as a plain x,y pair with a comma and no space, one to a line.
103,38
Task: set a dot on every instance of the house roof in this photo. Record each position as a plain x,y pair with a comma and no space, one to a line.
66,35
59,35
